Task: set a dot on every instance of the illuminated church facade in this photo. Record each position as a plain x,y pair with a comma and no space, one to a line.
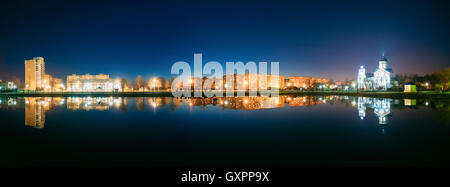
379,80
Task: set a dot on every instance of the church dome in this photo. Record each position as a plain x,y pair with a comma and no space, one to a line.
383,58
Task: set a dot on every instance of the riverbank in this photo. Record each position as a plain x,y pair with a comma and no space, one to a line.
394,95
399,95
87,94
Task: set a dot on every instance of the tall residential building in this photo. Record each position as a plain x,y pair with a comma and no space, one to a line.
34,74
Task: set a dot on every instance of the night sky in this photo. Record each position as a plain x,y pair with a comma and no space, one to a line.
328,39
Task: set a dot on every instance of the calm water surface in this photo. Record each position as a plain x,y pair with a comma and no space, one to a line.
240,131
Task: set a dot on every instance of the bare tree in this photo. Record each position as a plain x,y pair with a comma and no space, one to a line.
140,82
17,81
53,84
163,83
123,83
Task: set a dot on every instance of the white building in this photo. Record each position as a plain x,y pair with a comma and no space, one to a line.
379,80
92,83
7,86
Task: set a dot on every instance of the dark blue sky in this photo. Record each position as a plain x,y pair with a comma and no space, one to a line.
329,39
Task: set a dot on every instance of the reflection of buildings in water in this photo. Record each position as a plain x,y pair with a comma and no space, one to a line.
244,103
304,100
34,112
362,107
175,104
140,104
155,102
12,102
92,103
8,102
410,102
253,103
35,108
381,107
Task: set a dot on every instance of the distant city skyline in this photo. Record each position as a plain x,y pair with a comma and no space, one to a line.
312,39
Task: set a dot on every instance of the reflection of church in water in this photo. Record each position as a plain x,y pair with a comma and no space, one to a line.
381,107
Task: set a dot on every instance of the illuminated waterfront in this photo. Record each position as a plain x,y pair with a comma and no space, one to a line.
165,131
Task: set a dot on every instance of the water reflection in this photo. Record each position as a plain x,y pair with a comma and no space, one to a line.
36,107
35,112
92,103
381,108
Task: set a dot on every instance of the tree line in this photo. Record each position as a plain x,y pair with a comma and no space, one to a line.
438,81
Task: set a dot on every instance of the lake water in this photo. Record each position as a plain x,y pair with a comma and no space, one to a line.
237,131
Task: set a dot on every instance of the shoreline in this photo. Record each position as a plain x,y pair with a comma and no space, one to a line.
395,95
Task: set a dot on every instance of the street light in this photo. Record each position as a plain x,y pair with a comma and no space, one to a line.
154,84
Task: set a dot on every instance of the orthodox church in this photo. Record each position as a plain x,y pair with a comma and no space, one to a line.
379,80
